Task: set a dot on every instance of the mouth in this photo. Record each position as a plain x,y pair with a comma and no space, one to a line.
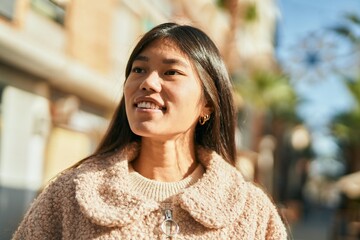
149,105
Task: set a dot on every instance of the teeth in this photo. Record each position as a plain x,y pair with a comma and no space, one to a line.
148,105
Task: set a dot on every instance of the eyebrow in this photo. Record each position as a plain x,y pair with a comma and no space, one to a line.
165,61
141,58
175,61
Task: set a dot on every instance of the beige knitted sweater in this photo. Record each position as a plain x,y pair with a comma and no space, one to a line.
97,201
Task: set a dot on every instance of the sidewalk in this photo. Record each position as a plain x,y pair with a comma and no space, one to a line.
315,225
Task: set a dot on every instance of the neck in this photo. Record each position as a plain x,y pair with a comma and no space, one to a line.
165,161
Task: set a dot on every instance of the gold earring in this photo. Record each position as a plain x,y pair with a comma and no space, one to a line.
204,119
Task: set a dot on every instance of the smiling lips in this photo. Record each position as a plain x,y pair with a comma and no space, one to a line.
149,105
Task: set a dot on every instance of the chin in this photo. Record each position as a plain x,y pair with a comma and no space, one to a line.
144,131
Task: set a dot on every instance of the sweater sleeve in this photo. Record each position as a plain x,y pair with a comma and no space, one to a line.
43,219
270,224
275,227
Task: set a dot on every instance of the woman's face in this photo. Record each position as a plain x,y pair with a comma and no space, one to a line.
163,93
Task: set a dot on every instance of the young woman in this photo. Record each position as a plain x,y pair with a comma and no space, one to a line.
165,168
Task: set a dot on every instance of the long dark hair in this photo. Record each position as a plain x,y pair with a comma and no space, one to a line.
218,133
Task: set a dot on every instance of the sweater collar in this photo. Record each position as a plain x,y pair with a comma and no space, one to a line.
103,196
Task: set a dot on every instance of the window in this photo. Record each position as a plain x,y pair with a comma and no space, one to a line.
7,9
53,9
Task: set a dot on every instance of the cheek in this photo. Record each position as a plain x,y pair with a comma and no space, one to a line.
127,97
191,98
128,89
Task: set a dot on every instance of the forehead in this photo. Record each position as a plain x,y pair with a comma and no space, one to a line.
166,47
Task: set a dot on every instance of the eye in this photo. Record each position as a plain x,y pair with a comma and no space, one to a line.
137,70
171,72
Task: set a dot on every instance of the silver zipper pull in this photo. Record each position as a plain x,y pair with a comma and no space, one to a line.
169,227
168,214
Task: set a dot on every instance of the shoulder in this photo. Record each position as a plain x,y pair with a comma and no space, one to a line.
59,201
96,165
258,194
46,212
64,183
268,218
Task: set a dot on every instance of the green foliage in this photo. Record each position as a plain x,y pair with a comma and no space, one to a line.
347,28
248,11
346,126
251,13
354,88
266,91
351,17
221,3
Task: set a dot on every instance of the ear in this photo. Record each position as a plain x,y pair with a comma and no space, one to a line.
208,109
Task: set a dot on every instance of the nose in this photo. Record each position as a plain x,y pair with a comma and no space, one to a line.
152,82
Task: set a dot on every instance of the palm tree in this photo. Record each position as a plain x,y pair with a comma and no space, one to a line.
346,126
269,99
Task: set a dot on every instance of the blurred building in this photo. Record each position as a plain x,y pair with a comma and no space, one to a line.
62,68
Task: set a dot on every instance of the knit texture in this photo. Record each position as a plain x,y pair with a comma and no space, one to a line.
160,191
95,201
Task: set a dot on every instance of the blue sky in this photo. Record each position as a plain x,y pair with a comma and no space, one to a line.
300,16
323,90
